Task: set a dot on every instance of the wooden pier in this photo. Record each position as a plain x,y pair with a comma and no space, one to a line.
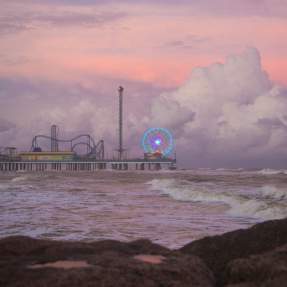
58,166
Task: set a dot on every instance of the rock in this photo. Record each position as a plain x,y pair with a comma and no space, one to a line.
218,251
267,269
243,258
29,262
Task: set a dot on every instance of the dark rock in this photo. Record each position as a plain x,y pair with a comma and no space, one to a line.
30,262
243,258
267,269
218,251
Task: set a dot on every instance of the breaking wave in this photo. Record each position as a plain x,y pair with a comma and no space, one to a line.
268,171
266,202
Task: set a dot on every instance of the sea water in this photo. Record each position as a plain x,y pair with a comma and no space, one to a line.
171,208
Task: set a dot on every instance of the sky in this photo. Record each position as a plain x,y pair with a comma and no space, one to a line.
214,72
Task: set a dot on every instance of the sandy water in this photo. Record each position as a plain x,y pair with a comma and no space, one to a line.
170,208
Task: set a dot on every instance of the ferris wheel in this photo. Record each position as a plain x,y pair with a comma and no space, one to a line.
157,140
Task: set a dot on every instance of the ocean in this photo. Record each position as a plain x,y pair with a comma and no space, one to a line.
171,208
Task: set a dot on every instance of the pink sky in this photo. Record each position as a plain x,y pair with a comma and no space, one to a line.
150,42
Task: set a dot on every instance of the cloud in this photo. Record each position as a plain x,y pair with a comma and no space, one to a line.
89,106
224,115
227,8
77,19
29,18
242,8
12,61
227,114
187,43
5,125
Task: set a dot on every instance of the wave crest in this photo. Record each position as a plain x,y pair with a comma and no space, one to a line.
269,171
267,202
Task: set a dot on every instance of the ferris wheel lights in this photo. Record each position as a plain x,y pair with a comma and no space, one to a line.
157,140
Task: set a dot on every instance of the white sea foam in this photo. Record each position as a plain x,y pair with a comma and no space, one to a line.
274,193
188,192
269,171
19,178
267,202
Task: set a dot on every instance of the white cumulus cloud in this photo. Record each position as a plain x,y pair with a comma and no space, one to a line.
227,114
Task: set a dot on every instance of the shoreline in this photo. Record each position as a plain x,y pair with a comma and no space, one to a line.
236,258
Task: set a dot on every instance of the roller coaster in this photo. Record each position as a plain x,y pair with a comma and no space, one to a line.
93,150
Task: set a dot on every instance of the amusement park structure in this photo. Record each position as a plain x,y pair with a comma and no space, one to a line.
93,150
121,150
64,155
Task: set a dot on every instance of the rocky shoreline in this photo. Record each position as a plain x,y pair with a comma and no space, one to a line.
243,258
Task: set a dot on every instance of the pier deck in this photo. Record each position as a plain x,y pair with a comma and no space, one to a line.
86,165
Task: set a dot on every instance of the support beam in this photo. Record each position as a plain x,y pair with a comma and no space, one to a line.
121,150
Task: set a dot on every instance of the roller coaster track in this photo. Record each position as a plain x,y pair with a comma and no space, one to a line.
94,150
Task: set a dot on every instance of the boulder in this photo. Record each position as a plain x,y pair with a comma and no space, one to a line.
266,270
218,251
29,262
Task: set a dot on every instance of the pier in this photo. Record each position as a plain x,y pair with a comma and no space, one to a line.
83,153
88,166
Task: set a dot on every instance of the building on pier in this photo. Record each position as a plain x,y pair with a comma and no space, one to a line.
47,156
